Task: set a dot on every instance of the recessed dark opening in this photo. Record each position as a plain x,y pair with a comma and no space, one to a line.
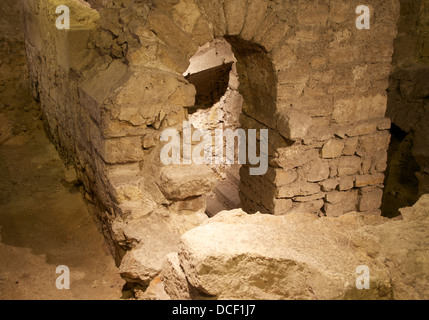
401,185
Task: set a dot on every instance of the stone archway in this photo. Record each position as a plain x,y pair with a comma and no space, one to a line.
113,84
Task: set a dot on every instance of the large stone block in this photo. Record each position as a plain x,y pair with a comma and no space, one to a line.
235,14
332,149
293,124
370,199
300,188
175,282
179,182
275,258
295,156
315,171
339,203
359,109
369,180
348,166
255,14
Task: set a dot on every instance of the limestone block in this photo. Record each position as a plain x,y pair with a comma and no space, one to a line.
99,86
117,150
329,185
332,149
315,171
213,11
295,156
150,93
300,188
260,265
293,124
311,207
369,145
255,14
370,199
170,34
281,177
143,264
369,180
185,181
311,198
280,206
235,14
339,203
274,35
348,166
314,14
350,146
384,124
347,183
359,109
175,283
363,128
266,245
155,292
186,15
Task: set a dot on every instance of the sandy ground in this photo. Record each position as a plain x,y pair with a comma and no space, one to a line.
44,220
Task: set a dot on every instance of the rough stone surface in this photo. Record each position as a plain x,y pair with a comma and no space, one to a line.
182,182
333,149
112,83
293,124
275,257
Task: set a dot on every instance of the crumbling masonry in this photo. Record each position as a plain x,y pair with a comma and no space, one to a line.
114,81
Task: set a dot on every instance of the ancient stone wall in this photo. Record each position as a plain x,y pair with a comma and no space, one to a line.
113,83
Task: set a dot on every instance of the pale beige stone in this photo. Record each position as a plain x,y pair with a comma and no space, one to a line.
293,124
179,182
332,149
369,180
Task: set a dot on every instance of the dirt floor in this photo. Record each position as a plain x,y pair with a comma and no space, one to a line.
44,220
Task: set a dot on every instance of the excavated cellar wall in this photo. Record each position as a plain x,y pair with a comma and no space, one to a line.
114,82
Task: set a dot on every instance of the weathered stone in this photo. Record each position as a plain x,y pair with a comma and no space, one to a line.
353,110
347,183
275,258
369,180
186,181
329,185
255,14
300,188
295,156
311,198
293,124
384,124
175,282
315,171
363,128
369,145
311,207
332,149
370,199
281,177
281,206
155,292
148,94
350,147
348,166
142,265
235,13
340,203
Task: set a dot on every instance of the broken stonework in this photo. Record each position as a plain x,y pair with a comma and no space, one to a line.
110,85
275,257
